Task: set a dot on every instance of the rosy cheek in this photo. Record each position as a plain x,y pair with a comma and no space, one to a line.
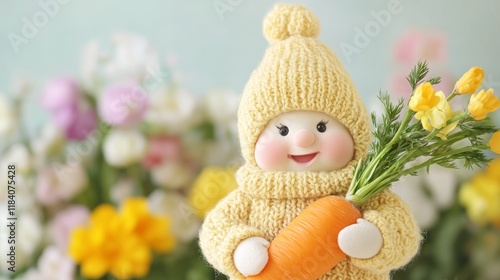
271,153
337,147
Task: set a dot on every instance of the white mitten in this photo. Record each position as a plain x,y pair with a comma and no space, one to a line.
250,257
362,240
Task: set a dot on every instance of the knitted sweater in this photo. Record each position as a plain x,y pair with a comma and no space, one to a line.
266,202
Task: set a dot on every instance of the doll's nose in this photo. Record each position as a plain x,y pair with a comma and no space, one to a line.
303,138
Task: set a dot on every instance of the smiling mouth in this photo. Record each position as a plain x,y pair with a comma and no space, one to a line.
304,160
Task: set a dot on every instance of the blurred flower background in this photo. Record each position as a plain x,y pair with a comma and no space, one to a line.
121,121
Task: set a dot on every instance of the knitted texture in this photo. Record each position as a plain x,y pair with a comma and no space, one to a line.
300,73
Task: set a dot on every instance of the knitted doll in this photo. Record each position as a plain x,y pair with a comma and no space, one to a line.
302,127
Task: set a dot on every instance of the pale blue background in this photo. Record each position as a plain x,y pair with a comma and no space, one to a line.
215,52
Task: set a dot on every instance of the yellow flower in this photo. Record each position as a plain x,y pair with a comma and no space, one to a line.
119,243
447,129
438,116
483,103
493,169
470,81
212,185
480,197
424,98
106,246
494,144
154,230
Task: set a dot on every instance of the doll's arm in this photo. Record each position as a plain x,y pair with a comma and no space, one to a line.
223,230
400,233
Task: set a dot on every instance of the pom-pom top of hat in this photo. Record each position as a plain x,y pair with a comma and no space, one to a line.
287,20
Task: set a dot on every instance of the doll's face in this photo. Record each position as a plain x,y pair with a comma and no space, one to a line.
304,141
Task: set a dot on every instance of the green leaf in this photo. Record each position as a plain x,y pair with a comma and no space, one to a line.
434,80
417,74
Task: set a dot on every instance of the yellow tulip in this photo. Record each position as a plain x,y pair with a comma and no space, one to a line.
438,116
482,103
446,130
212,185
494,144
493,169
470,81
480,197
424,98
154,230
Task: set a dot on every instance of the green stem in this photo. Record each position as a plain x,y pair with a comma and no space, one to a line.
422,151
436,159
451,96
361,195
369,170
443,155
458,118
135,174
374,187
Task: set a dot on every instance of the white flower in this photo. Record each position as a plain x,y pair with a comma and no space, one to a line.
132,58
221,106
31,274
18,155
185,224
410,189
60,183
426,194
24,191
172,174
8,119
91,59
29,234
55,265
27,239
176,110
121,190
442,183
49,142
221,152
124,147
25,195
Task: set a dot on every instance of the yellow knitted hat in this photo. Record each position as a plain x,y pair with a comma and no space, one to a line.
299,73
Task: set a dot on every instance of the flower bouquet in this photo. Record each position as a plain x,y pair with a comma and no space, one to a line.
104,189
397,142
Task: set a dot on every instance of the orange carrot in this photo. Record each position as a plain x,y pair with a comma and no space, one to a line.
313,235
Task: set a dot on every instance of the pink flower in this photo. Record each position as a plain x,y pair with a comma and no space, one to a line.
55,186
123,104
399,86
65,221
60,94
71,113
162,148
76,121
417,45
414,46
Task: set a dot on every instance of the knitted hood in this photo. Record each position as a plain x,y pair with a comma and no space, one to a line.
297,73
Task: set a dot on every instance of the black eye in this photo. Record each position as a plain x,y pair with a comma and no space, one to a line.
283,130
321,127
